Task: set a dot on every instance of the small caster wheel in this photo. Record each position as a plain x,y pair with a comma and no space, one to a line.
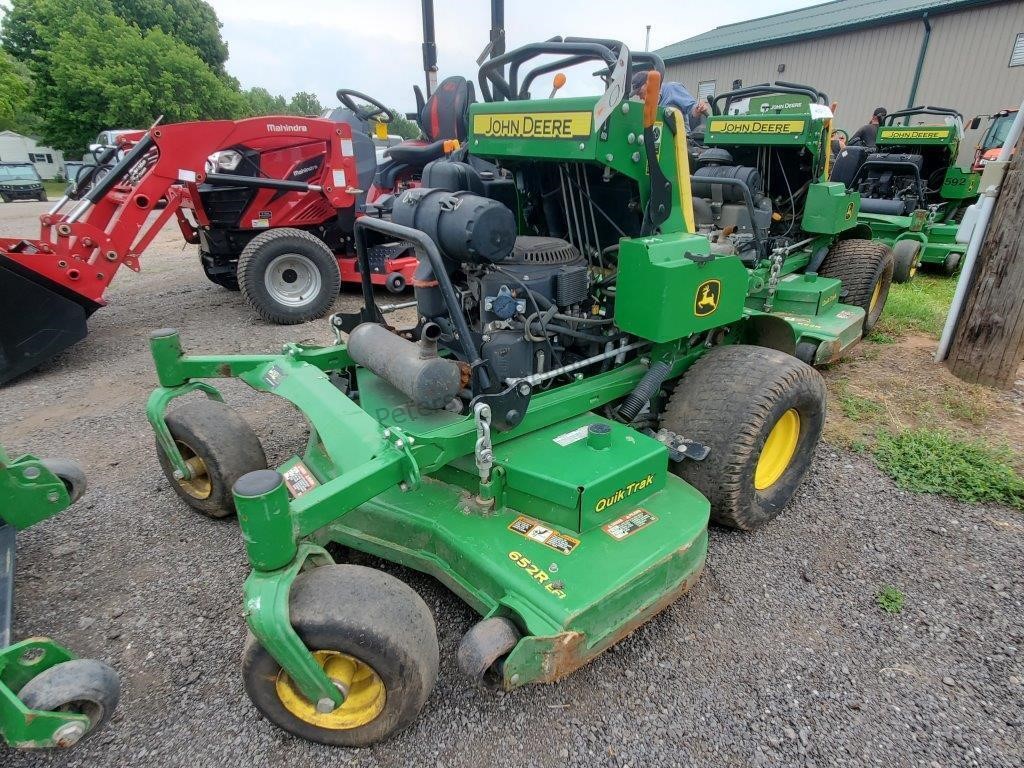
906,259
70,473
951,264
373,636
395,282
484,645
219,447
83,686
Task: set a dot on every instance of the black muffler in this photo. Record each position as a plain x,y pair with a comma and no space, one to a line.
39,319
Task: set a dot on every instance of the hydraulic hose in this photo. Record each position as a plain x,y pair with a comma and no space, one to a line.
645,390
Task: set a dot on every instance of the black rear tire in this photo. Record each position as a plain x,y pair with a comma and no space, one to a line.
865,269
732,399
226,446
288,276
369,616
906,256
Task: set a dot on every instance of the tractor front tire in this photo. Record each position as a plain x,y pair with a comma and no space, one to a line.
219,446
906,256
43,198
761,413
5,198
366,625
865,269
288,276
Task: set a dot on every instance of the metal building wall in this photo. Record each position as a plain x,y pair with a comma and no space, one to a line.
966,66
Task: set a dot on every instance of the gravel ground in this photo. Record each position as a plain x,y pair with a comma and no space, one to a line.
780,655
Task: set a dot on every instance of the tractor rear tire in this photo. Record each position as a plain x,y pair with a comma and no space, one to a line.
906,256
761,413
226,448
865,269
347,613
288,276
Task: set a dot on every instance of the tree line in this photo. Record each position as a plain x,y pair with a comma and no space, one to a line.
70,68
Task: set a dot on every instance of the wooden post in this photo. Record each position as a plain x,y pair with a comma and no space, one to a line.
988,345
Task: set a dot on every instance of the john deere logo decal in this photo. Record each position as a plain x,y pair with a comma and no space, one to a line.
706,301
850,211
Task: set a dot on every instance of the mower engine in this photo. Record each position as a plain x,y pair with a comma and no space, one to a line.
891,181
729,203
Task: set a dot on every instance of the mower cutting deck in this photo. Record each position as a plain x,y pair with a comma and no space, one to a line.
588,383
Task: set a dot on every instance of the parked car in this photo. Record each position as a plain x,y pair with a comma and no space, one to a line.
20,181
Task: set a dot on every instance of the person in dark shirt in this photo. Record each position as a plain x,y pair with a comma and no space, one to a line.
866,135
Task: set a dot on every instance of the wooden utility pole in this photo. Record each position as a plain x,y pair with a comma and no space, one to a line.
988,345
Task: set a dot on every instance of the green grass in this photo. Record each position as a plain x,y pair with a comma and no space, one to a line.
920,305
890,599
54,189
933,461
854,406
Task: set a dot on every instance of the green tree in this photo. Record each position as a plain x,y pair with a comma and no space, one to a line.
15,94
259,101
305,103
403,126
31,27
105,72
193,22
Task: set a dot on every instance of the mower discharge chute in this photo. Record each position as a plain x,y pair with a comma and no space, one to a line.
912,192
48,697
50,285
588,381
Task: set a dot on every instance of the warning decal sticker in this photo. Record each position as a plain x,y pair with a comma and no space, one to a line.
537,531
299,480
629,524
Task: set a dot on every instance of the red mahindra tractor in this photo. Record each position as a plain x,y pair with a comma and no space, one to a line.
232,222
50,285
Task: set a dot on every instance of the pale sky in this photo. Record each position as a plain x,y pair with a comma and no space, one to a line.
374,47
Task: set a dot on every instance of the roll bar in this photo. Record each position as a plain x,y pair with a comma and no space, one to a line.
764,89
576,50
922,110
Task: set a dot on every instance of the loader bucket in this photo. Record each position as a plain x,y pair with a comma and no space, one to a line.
38,319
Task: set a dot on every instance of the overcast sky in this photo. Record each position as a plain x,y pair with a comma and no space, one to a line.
322,45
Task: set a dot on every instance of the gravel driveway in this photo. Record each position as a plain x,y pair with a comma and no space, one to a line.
780,656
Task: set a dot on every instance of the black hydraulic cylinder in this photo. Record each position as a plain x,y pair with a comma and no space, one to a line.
256,182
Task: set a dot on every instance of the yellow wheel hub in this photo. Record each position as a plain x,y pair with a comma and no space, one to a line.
364,699
200,486
874,296
779,449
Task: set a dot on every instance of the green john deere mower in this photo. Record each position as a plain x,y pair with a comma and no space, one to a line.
48,697
761,190
912,192
587,382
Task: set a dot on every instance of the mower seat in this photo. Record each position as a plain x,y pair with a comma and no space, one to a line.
445,116
848,162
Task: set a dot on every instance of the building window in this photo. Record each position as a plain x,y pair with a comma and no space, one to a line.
1017,54
49,158
705,89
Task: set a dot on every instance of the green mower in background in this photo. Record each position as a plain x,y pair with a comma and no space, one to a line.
912,192
761,191
48,697
588,381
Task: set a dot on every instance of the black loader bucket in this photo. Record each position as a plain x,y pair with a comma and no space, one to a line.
38,319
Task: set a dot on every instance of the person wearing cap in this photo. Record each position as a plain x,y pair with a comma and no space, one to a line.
866,135
674,95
